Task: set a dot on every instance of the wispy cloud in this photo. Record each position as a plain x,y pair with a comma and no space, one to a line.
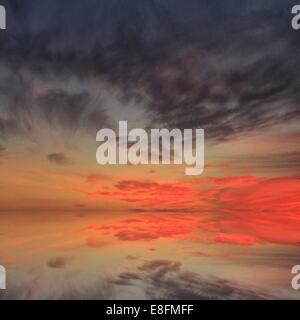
59,262
58,158
166,279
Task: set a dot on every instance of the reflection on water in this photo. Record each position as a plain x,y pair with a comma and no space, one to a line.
137,256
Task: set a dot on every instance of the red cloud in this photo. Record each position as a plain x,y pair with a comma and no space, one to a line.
265,209
96,178
151,194
232,210
147,227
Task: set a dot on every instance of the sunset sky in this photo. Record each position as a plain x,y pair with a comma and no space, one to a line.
72,229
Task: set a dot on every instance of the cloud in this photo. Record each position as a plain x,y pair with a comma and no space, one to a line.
235,239
58,158
147,227
151,194
96,178
58,262
71,110
8,127
63,108
234,210
160,267
29,109
230,80
16,103
257,210
155,279
125,278
166,280
96,242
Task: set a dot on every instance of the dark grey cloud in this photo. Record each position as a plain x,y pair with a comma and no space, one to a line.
16,102
24,111
59,262
129,275
73,111
165,279
160,267
58,158
63,108
125,278
247,95
8,127
229,67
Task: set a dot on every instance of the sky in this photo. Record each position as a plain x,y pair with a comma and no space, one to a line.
72,229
